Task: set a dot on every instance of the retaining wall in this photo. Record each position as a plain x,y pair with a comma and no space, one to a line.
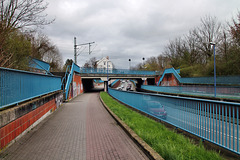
76,87
18,120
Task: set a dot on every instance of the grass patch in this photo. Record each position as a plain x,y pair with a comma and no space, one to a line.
170,145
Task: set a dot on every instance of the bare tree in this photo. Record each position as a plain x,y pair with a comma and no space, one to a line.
91,63
17,14
42,48
235,29
209,31
174,51
163,62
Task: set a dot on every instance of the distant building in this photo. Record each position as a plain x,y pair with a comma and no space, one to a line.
104,64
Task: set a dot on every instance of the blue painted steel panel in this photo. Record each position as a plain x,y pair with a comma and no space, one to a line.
114,82
232,92
98,81
237,129
199,117
223,80
116,71
35,63
18,86
74,68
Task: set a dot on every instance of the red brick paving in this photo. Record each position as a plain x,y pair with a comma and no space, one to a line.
105,139
81,129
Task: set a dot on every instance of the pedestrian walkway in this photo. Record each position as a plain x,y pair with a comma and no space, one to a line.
80,130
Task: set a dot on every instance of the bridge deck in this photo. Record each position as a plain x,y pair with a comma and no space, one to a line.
81,129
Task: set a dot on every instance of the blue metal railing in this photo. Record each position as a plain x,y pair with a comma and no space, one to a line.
220,80
116,71
18,86
74,68
214,121
39,64
230,92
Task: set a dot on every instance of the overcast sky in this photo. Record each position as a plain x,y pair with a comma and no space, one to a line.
128,29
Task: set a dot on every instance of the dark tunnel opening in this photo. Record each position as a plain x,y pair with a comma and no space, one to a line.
88,86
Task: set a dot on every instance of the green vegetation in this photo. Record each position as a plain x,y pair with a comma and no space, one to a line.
170,145
19,37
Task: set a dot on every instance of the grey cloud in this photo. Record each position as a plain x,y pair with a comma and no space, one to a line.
128,28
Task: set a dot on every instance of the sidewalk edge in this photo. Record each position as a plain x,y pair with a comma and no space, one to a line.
142,144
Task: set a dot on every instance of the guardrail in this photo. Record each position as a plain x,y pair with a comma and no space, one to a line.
17,86
214,121
117,71
74,68
229,92
220,80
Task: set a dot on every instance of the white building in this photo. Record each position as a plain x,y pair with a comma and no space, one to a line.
104,64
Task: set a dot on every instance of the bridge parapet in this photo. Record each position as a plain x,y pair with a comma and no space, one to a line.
117,71
104,74
17,86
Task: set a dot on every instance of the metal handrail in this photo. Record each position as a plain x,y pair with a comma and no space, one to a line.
211,120
17,86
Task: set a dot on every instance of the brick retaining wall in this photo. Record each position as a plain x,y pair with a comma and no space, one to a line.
16,121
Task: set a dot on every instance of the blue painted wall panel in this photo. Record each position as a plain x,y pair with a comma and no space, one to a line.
17,86
208,119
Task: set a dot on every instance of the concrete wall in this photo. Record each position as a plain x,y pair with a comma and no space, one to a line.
18,120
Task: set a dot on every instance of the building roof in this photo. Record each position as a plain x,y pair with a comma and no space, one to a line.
103,59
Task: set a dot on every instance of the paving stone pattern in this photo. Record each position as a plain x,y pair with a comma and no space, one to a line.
80,130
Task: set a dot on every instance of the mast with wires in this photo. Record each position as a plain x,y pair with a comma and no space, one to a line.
75,48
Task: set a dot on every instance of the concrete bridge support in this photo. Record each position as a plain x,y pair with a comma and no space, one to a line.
105,86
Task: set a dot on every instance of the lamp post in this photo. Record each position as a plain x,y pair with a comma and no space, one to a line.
215,84
107,76
143,62
129,64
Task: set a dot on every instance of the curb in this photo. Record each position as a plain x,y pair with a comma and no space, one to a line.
153,155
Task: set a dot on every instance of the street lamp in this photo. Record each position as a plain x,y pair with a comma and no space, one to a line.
129,64
143,62
213,44
107,76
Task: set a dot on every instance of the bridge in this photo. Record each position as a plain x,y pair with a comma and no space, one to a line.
88,74
26,98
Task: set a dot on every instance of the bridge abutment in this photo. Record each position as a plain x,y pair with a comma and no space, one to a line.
105,86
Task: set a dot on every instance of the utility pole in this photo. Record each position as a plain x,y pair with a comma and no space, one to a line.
215,79
75,48
75,51
129,64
